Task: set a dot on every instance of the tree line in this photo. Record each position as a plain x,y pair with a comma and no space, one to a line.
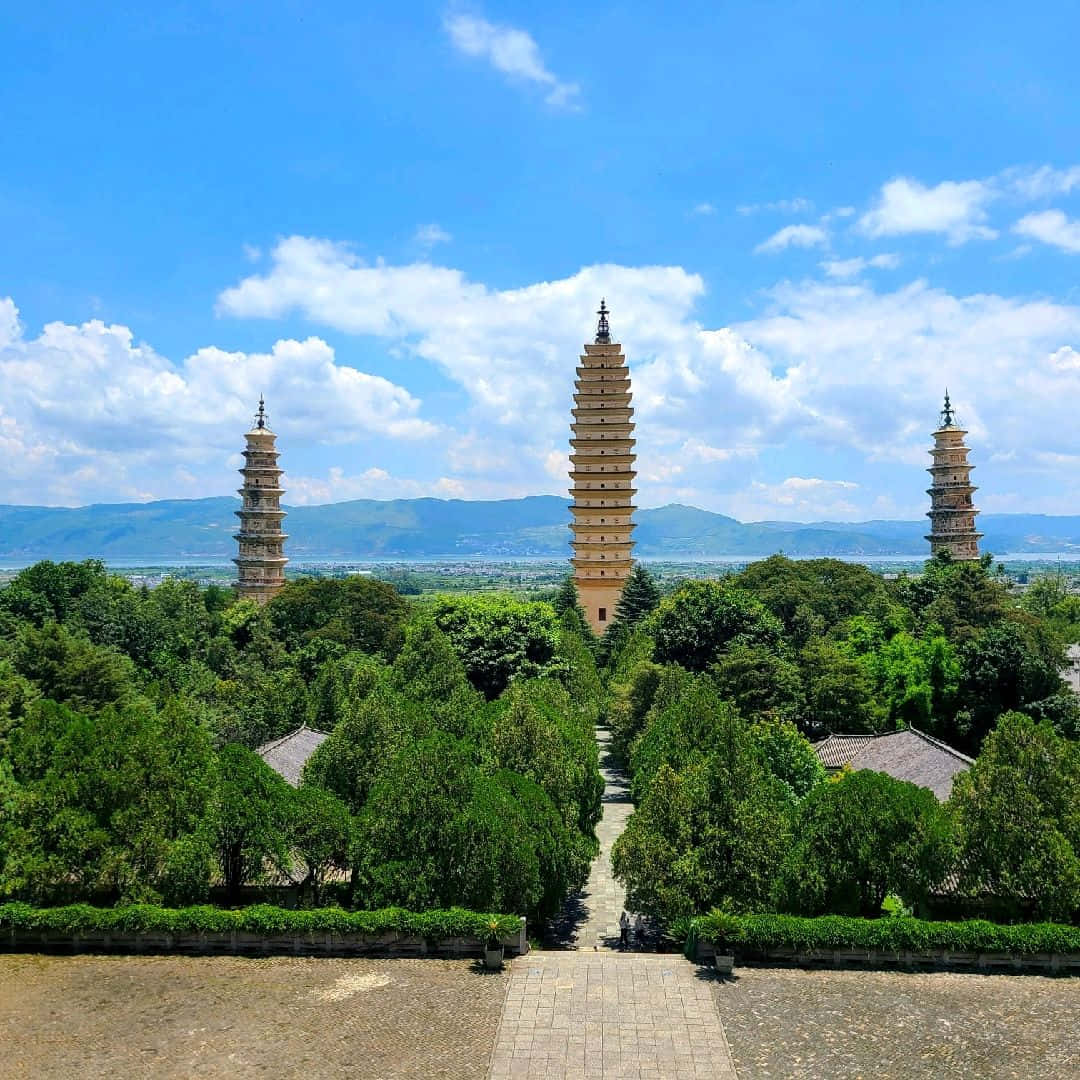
460,766
717,689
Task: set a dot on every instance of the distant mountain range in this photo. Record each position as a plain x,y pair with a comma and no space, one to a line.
436,528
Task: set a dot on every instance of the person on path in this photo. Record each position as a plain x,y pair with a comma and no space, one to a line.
639,931
624,930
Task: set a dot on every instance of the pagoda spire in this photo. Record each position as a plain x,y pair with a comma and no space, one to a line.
603,332
602,476
947,412
952,511
260,560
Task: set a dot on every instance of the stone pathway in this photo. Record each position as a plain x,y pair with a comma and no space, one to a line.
591,917
606,1014
592,1010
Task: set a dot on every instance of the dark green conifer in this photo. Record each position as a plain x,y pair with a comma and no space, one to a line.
640,597
566,599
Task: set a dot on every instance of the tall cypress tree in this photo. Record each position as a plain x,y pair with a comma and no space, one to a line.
640,596
566,599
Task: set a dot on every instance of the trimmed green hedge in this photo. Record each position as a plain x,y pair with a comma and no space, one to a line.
759,933
257,919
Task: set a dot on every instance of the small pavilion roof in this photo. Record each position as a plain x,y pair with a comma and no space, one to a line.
908,755
289,754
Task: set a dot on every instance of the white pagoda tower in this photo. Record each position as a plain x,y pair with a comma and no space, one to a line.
260,560
602,471
952,512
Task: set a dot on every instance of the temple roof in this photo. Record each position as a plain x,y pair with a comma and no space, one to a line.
905,755
288,755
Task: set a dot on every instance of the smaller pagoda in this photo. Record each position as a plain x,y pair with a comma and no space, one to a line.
952,513
260,560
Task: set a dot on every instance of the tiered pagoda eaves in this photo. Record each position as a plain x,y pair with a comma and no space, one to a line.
260,560
602,472
952,512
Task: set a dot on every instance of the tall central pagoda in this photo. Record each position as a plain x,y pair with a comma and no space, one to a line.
952,512
260,559
602,472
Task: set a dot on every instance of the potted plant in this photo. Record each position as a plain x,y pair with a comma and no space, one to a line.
723,929
493,947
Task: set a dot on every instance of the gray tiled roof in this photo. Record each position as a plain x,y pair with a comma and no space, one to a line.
289,754
906,755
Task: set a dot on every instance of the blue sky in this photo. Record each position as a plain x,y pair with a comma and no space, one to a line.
397,221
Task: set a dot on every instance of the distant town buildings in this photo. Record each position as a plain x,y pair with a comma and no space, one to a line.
602,473
951,513
260,559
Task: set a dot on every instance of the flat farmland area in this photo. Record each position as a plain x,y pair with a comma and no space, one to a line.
171,1016
783,1023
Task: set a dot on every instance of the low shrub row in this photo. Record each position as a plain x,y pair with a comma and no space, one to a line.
256,919
760,933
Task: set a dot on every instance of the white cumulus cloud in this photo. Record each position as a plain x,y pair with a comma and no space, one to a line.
1051,227
955,208
803,236
510,51
848,268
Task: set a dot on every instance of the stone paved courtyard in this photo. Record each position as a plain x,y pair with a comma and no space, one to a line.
843,1025
178,1016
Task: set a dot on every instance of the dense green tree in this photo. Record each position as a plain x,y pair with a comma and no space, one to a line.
810,596
631,698
436,831
858,838
760,682
839,690
374,729
358,611
319,834
708,836
103,800
961,597
249,815
701,619
566,599
50,591
1004,668
1019,822
788,755
639,598
497,638
70,669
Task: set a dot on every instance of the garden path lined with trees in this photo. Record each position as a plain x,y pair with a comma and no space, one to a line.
590,917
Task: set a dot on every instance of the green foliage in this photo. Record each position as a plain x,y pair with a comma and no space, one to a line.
639,598
756,934
810,596
711,833
1019,821
567,599
359,612
788,755
498,639
861,837
435,826
695,624
760,682
258,919
71,669
319,833
100,804
249,816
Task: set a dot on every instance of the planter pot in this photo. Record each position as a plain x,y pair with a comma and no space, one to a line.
493,958
725,963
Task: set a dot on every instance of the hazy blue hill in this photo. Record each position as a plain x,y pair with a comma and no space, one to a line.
431,528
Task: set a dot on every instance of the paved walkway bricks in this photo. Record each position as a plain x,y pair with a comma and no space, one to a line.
593,1011
602,1014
